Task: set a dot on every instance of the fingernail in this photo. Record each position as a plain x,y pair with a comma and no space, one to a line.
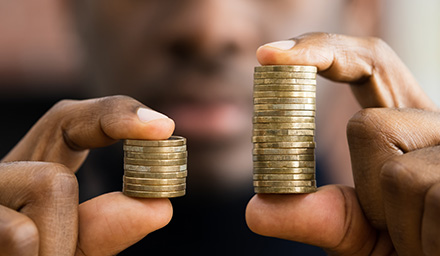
147,115
282,45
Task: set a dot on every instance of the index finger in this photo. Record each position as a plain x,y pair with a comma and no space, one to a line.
66,132
377,75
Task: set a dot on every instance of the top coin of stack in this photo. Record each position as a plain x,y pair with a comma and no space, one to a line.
155,168
283,129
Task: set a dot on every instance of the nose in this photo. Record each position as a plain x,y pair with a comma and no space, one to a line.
210,30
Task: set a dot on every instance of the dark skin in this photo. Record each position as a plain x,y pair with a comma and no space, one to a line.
394,207
39,207
392,210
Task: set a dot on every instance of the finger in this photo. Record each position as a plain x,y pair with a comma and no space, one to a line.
64,133
18,234
112,222
377,135
377,75
404,182
431,224
47,193
330,218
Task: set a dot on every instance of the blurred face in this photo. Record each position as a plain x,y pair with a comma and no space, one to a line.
193,61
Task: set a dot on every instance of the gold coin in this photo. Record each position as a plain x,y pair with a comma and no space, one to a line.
285,87
284,138
284,81
280,145
303,170
284,145
275,184
158,162
287,190
282,151
284,113
156,156
170,142
155,175
284,100
286,68
146,181
290,126
160,169
278,132
283,176
285,106
154,149
154,188
145,194
282,75
282,119
283,157
283,94
285,164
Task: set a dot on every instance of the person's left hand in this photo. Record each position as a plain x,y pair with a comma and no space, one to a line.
395,205
409,184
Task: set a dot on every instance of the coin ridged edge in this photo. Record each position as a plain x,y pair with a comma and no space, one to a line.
288,190
146,149
144,194
286,68
170,142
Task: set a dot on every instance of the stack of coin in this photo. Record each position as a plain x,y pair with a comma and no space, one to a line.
284,128
155,168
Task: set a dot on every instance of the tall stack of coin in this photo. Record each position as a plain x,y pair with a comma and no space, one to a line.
155,168
284,128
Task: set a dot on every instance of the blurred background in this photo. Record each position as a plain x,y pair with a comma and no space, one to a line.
40,53
43,59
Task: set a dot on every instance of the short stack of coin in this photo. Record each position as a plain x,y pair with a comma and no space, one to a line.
284,129
155,168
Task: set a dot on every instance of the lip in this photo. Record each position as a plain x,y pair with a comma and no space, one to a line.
211,107
209,120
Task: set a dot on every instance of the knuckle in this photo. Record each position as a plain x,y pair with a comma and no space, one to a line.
378,45
392,171
62,105
373,123
53,180
366,123
19,235
321,35
57,113
116,100
397,177
433,197
317,37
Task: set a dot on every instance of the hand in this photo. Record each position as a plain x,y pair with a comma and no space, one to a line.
377,76
39,212
397,196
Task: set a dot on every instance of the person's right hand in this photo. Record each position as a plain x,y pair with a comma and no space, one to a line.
39,211
395,204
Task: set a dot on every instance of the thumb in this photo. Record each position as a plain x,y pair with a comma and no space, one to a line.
330,218
71,127
112,222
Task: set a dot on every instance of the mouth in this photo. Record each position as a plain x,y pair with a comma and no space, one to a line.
206,107
209,120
